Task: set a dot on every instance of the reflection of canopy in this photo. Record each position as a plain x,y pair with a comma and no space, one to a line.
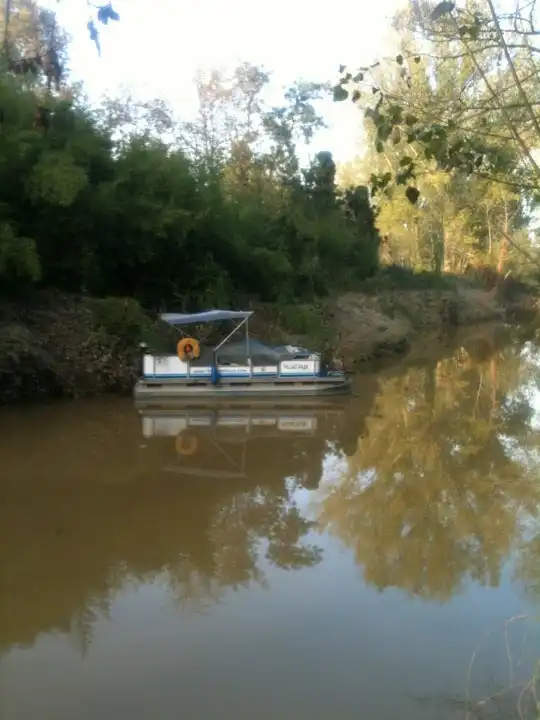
204,317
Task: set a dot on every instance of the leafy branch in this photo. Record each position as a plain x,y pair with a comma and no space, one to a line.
459,137
104,14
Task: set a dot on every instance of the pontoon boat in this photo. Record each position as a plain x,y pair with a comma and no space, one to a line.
247,369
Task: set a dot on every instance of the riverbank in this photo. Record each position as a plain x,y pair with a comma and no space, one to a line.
385,319
57,345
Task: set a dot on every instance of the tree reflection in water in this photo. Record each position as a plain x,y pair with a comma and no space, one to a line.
238,531
95,500
438,477
439,489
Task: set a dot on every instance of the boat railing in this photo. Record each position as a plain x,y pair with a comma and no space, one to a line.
170,366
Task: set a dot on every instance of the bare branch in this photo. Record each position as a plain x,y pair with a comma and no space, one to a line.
513,69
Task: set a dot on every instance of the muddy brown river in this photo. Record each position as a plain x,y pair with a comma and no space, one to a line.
375,558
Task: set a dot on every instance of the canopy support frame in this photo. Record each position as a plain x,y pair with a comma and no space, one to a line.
244,322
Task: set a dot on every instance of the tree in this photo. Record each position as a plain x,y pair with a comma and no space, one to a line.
124,199
34,47
489,125
435,496
33,44
452,111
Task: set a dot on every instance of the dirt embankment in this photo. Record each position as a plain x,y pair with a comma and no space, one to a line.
379,325
57,346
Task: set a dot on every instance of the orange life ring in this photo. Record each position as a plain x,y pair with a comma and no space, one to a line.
186,444
188,349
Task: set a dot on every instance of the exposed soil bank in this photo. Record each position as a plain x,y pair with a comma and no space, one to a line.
373,326
53,345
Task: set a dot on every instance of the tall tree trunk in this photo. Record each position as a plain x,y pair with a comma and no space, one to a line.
4,51
503,247
490,237
493,373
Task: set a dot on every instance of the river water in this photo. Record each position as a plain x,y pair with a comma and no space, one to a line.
378,558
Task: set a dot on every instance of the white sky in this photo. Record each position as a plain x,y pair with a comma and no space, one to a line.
158,45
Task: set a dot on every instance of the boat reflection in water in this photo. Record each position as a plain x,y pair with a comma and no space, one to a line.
180,496
216,442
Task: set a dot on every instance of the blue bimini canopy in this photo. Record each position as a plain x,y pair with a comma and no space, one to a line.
205,317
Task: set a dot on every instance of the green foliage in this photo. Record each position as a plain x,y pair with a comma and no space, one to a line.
18,256
56,179
306,321
121,318
227,218
394,277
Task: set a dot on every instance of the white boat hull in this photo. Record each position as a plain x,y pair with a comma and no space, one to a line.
250,388
170,378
